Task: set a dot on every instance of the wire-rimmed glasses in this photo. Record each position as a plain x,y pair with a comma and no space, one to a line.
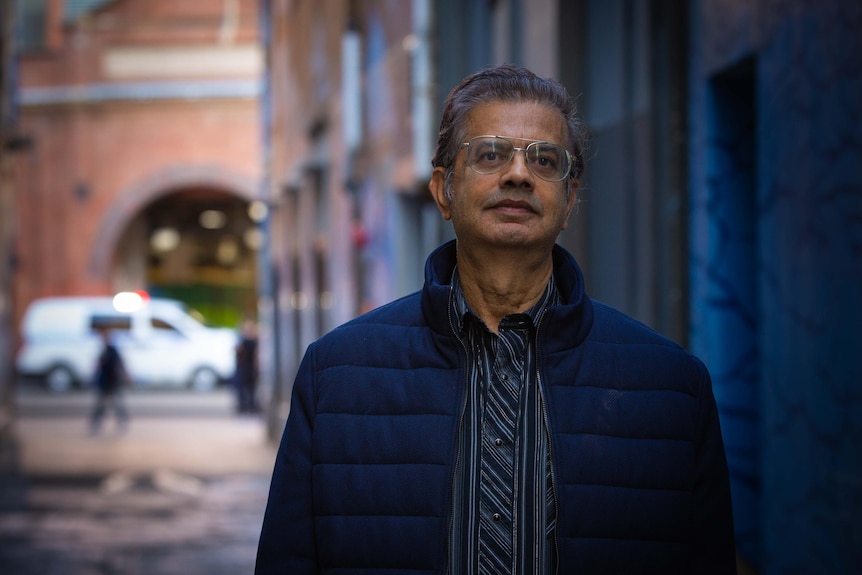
489,154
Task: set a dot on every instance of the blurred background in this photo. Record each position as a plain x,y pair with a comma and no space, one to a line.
267,160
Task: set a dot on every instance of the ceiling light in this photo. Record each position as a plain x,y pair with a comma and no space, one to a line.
212,219
257,211
164,239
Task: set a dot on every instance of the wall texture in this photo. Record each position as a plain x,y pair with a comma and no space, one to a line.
776,180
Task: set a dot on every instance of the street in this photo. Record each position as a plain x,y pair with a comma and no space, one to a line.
182,490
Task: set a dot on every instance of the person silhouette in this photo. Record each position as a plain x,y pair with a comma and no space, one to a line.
110,378
245,377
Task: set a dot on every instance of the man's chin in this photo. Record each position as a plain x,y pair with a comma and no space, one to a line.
515,239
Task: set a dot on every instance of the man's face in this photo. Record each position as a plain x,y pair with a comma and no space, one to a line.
511,208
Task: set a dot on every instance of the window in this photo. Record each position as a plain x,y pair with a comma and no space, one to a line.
31,24
111,322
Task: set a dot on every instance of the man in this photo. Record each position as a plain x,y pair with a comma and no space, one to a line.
500,421
246,373
110,377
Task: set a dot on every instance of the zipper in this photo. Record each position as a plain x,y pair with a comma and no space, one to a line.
457,440
550,444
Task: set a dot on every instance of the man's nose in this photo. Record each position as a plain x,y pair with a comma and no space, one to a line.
517,172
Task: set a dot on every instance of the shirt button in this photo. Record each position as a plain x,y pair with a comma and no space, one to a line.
496,517
498,442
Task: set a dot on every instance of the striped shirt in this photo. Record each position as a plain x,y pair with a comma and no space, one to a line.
523,510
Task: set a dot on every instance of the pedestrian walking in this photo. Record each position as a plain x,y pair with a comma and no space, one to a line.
109,380
500,420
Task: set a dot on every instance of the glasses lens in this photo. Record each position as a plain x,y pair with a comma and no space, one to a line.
548,161
488,155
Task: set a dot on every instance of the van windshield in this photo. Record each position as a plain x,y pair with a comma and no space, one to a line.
111,322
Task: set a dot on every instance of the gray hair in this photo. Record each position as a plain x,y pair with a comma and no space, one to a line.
505,83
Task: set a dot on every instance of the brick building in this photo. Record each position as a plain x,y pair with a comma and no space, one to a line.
143,115
348,133
9,143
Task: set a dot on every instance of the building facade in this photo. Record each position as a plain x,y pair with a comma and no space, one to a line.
348,123
775,187
143,116
10,143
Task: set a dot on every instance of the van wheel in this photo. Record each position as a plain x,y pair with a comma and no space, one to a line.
60,379
204,379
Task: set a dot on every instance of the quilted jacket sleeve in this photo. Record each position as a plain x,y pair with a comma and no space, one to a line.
712,538
287,538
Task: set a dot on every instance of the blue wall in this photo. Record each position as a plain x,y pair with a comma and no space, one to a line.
776,278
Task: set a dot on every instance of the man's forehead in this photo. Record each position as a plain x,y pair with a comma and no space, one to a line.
527,120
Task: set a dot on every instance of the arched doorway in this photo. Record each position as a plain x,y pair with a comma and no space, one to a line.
197,244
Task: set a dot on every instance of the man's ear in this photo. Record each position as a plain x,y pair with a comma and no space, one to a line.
573,199
437,187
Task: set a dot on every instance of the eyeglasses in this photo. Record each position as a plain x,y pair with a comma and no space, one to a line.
490,154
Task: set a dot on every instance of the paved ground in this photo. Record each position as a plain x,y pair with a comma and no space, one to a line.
181,491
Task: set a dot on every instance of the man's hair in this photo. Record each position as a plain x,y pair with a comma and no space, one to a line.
505,83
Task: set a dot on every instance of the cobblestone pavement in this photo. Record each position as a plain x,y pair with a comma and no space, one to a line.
155,524
182,491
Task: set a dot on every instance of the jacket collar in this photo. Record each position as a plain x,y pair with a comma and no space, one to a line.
571,321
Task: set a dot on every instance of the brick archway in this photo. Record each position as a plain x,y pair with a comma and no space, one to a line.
132,199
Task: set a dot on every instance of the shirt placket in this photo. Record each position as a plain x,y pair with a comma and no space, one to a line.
504,377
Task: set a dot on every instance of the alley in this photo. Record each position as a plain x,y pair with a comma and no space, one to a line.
182,490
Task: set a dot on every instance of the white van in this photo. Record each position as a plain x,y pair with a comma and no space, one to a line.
160,342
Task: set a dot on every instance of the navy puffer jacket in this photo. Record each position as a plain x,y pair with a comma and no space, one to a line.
363,477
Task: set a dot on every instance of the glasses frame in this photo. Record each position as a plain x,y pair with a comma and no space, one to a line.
567,174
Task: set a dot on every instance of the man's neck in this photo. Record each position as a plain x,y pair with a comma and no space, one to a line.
502,283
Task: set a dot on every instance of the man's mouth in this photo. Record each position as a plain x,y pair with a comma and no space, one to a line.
514,205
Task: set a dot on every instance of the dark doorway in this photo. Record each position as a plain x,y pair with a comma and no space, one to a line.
198,246
733,304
